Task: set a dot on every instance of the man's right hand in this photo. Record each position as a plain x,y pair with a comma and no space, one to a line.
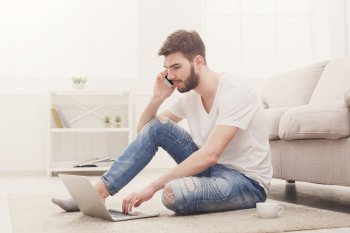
160,90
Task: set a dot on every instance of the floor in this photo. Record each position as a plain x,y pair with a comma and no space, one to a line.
335,198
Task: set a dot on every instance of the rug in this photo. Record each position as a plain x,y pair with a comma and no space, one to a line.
34,213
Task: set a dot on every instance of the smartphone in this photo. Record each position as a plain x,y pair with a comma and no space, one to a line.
168,82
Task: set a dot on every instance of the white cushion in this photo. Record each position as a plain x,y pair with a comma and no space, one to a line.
292,88
327,120
333,83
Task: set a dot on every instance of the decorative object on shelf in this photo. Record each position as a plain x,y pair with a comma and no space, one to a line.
107,121
63,120
118,121
79,82
56,118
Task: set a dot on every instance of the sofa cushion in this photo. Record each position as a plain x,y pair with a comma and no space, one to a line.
327,120
292,88
273,116
333,83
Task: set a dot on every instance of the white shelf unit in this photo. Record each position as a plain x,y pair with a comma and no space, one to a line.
87,138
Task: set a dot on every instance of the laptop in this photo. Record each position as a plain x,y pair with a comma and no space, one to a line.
90,204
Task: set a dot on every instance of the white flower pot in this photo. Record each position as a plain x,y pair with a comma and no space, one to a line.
79,86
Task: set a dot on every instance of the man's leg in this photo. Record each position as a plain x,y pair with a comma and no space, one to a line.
165,133
225,189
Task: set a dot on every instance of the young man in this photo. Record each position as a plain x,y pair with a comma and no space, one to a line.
223,165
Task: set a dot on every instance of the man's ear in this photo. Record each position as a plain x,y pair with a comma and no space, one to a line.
199,60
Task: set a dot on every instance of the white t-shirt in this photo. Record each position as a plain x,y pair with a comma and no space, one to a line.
235,104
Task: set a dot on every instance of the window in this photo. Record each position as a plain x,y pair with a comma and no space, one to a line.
255,39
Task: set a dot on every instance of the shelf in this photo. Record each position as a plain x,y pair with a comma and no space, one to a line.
87,137
89,130
89,92
79,169
68,167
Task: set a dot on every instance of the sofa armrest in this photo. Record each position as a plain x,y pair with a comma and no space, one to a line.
273,117
329,120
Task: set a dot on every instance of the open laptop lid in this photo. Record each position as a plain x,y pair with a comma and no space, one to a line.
90,204
85,196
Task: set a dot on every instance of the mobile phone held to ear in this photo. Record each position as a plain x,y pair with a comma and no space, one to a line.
168,82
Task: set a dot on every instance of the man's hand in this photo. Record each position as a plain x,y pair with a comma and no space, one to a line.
135,199
160,89
160,92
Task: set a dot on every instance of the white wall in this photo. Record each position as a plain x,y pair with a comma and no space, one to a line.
156,20
49,41
23,134
347,7
338,28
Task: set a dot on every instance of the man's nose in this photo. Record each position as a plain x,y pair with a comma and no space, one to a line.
170,74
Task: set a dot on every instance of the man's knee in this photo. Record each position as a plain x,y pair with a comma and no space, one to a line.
155,124
168,197
172,196
163,119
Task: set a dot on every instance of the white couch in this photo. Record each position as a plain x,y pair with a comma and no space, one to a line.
308,116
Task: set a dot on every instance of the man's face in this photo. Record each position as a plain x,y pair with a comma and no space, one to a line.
181,72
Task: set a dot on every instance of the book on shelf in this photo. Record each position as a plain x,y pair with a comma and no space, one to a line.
95,162
63,120
56,118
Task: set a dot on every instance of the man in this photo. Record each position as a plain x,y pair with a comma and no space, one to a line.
223,165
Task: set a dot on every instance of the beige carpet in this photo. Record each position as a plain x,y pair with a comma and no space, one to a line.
34,213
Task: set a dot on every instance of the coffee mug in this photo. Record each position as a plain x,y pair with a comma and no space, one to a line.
268,210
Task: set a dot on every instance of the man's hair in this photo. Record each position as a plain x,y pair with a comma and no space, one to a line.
189,43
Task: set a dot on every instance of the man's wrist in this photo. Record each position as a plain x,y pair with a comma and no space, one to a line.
157,99
155,186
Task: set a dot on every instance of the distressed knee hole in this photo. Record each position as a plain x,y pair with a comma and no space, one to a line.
163,119
168,197
189,183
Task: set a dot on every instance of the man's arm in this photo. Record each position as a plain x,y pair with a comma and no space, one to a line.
199,161
151,111
160,92
203,158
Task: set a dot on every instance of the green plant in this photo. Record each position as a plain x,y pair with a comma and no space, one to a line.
117,119
107,119
78,80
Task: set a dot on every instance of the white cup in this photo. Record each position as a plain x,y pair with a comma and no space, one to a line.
268,210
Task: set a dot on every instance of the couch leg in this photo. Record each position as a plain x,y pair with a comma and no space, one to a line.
290,181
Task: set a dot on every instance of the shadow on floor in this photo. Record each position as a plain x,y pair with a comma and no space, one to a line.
328,197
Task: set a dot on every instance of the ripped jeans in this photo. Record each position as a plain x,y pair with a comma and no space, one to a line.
218,188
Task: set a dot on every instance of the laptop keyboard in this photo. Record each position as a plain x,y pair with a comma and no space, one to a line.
118,214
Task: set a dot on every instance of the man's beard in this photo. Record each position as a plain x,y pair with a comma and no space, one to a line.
190,83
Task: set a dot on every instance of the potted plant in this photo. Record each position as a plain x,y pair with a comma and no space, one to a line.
79,82
118,120
107,121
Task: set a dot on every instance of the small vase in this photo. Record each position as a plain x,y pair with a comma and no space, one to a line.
108,125
79,86
118,124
